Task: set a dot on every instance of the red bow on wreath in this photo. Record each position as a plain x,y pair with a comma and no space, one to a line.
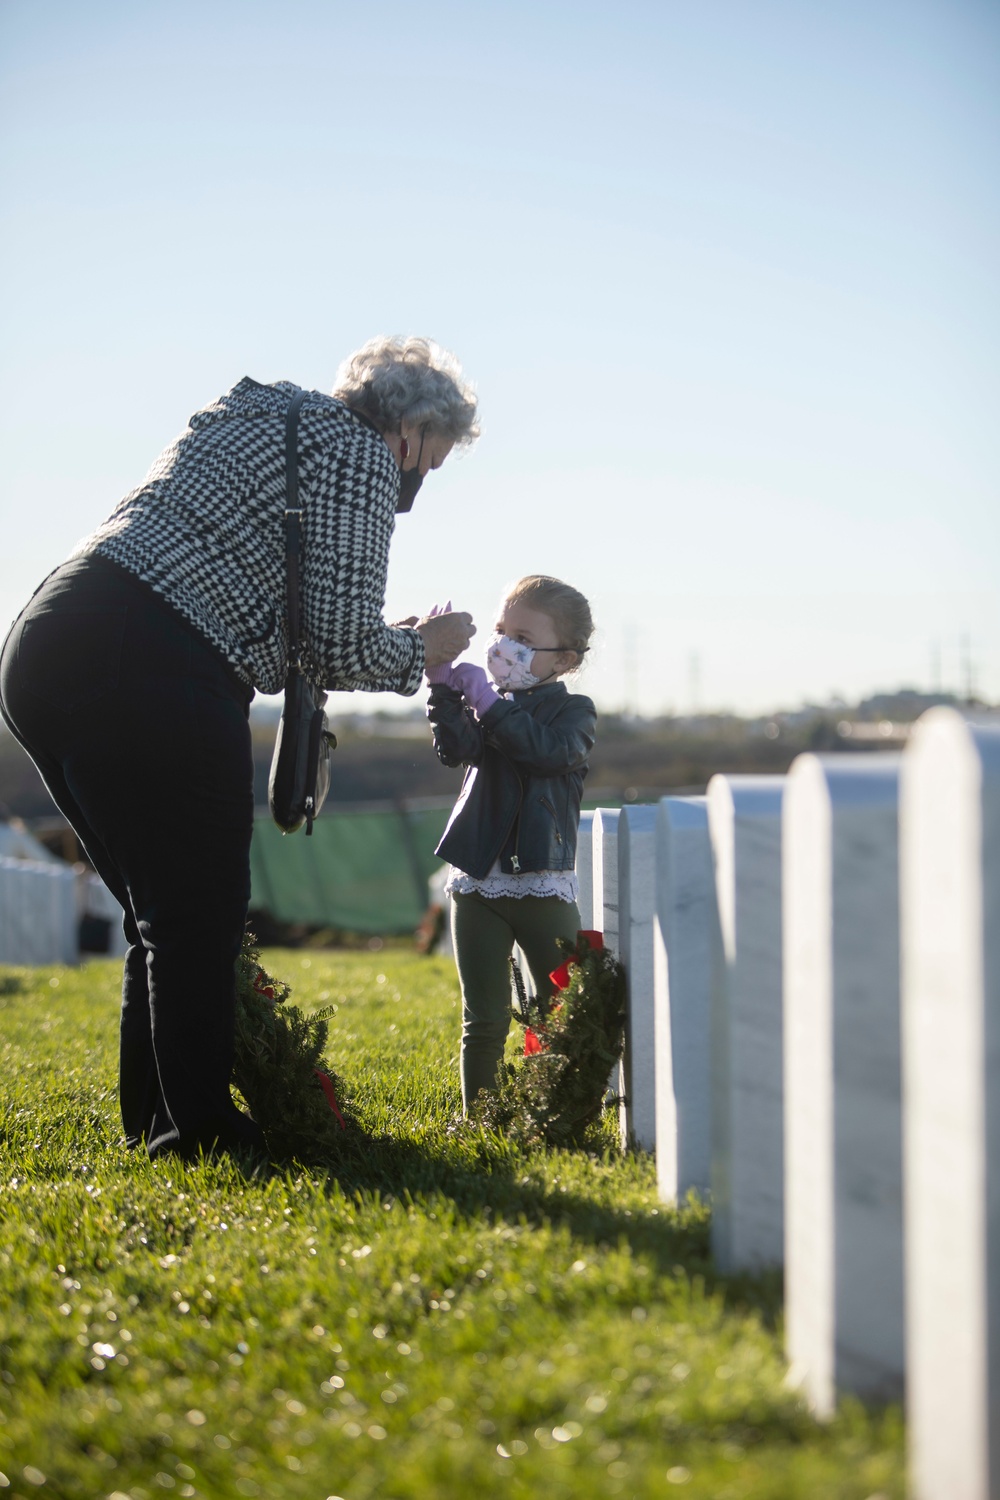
560,978
266,990
325,1083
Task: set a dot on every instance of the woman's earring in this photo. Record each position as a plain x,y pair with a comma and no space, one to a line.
404,450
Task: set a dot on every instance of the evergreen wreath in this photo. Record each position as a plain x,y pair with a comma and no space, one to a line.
556,1090
278,1067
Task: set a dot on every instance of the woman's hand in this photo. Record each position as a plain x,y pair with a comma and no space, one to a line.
445,636
440,674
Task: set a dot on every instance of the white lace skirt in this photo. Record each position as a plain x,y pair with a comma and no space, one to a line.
561,883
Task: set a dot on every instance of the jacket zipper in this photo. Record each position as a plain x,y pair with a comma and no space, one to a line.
515,863
546,803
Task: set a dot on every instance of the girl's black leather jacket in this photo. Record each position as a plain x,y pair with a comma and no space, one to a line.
526,759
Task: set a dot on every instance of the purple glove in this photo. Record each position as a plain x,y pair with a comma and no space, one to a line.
473,683
441,674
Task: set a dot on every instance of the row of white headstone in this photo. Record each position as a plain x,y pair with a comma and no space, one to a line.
41,906
813,1042
39,920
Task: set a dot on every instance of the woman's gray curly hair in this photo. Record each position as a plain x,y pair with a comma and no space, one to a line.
412,380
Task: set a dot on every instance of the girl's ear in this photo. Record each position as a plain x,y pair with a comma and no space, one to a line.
567,661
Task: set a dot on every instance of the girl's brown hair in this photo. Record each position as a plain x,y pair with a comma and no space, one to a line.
567,606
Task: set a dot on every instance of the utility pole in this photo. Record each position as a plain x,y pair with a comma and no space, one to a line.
694,681
631,673
968,674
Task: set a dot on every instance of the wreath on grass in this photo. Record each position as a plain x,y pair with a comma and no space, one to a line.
557,1089
279,1068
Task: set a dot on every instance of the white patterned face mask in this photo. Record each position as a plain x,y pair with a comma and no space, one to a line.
509,664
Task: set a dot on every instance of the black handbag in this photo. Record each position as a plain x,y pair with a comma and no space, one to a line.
300,766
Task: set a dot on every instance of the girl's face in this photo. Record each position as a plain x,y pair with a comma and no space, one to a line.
536,630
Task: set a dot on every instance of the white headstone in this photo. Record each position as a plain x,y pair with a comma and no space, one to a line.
636,881
605,875
686,933
744,820
950,907
843,1126
585,869
435,887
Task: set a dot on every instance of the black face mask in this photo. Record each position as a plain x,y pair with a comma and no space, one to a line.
410,480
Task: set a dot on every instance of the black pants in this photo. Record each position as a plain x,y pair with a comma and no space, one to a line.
140,731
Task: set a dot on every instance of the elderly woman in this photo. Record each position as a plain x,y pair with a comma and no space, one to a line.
129,674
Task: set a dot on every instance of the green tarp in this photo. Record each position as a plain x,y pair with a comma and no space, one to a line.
362,870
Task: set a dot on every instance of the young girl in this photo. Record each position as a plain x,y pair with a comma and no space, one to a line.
511,839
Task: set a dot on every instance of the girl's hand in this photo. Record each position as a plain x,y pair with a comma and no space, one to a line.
473,683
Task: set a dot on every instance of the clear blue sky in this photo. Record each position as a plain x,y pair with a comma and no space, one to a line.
725,274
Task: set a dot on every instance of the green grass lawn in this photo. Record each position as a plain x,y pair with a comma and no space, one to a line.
440,1316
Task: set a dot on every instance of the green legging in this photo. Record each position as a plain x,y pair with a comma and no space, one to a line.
485,929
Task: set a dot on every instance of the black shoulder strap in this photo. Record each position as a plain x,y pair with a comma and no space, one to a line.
293,525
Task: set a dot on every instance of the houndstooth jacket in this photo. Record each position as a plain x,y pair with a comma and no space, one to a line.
205,529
